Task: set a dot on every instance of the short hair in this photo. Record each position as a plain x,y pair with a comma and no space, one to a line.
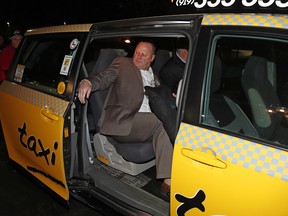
181,50
183,43
148,40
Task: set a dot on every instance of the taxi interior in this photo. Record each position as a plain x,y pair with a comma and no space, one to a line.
129,169
125,170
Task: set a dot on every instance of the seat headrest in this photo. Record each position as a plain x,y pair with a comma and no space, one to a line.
161,58
262,95
105,58
255,76
255,72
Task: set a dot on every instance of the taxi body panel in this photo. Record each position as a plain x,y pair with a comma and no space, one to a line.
242,183
219,164
220,167
35,140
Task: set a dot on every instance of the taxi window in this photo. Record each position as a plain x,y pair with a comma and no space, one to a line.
45,62
248,91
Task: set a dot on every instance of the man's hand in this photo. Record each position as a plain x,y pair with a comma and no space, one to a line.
84,90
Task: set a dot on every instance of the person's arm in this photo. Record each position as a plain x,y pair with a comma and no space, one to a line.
84,90
104,79
100,81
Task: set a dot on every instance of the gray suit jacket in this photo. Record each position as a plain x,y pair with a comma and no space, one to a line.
124,97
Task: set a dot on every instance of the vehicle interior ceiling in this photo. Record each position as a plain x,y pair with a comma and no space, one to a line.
235,53
145,180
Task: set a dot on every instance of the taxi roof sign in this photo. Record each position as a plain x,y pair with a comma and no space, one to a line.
229,6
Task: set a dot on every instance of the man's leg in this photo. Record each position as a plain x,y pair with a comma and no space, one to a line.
146,126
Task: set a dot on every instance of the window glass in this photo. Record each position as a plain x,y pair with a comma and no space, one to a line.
45,63
248,87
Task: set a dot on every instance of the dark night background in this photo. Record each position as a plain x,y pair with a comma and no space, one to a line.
26,14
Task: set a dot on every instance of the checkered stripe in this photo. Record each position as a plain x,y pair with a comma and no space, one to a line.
260,158
277,21
34,97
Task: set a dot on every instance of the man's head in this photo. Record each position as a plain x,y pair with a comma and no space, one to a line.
183,54
15,38
182,48
144,55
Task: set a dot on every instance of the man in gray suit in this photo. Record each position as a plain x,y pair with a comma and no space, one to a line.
126,115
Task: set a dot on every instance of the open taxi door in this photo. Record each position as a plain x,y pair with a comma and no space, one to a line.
33,127
36,104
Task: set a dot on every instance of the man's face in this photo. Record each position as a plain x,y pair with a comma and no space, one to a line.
143,55
16,41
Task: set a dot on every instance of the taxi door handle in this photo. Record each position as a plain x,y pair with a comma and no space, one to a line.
50,115
205,157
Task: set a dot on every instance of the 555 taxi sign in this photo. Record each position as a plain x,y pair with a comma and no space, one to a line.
270,6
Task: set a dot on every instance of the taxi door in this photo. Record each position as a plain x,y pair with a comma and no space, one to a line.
230,158
35,104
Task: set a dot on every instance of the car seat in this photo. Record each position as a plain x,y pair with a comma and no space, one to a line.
224,112
162,56
258,82
131,158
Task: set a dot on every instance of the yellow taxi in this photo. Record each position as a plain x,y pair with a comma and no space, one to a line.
231,148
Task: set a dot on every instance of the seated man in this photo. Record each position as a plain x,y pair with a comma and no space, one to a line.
172,71
162,99
126,115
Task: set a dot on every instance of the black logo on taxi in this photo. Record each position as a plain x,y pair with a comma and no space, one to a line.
36,146
190,203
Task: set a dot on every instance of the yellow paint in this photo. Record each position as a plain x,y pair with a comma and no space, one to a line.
66,132
35,98
264,20
254,181
61,88
26,149
103,159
